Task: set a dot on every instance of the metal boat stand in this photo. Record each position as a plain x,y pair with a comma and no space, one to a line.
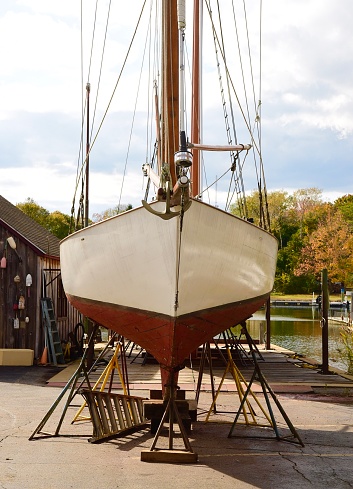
239,382
205,355
74,387
81,370
266,389
172,416
232,346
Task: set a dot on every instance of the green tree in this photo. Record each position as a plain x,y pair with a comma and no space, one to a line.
35,211
345,205
277,206
59,224
56,222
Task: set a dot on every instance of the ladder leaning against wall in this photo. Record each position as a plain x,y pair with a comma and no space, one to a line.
52,336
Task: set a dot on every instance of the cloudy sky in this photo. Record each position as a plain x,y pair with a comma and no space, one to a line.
307,100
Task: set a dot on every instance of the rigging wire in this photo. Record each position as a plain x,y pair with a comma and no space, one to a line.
236,177
134,113
83,111
255,142
80,173
260,134
215,181
152,148
101,67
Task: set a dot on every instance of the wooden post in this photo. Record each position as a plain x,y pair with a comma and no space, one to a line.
268,324
325,307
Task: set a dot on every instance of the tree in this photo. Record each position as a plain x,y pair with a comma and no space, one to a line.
304,201
330,246
35,211
345,205
277,206
56,222
59,224
113,211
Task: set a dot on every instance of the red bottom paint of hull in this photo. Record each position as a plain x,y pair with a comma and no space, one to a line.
170,340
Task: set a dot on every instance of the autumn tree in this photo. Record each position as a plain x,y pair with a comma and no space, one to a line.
330,246
303,201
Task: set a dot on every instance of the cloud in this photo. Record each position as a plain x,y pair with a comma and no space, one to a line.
306,101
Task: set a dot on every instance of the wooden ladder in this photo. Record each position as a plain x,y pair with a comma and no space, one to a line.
56,354
113,414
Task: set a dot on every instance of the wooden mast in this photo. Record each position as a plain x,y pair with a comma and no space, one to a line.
170,85
86,212
195,102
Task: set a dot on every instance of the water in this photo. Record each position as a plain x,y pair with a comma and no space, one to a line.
299,330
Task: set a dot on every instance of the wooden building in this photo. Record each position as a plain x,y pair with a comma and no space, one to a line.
30,270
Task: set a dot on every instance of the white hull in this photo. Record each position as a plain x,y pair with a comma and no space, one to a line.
133,261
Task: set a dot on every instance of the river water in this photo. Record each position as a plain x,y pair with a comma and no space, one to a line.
299,329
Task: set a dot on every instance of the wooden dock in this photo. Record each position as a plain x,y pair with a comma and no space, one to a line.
284,372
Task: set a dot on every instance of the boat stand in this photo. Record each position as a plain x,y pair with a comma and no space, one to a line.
172,416
232,346
266,389
107,375
205,355
80,372
239,382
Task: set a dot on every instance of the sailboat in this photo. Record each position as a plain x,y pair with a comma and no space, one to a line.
174,272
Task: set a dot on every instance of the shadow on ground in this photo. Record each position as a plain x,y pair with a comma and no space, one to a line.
34,375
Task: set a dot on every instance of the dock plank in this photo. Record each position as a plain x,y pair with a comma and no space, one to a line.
282,370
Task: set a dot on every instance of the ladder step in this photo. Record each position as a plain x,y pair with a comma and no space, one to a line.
113,414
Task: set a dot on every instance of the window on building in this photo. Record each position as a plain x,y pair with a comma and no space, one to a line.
61,302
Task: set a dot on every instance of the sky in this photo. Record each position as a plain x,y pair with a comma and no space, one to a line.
306,101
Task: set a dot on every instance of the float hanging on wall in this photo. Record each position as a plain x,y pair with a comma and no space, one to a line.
28,283
21,302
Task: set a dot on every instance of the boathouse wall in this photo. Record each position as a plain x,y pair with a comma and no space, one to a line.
28,273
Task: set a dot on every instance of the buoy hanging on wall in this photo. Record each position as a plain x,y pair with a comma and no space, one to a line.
28,283
11,242
21,302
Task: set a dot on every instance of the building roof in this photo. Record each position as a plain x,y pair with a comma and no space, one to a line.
40,239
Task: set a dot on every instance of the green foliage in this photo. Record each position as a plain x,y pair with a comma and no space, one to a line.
56,222
59,224
277,203
345,205
35,211
346,353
